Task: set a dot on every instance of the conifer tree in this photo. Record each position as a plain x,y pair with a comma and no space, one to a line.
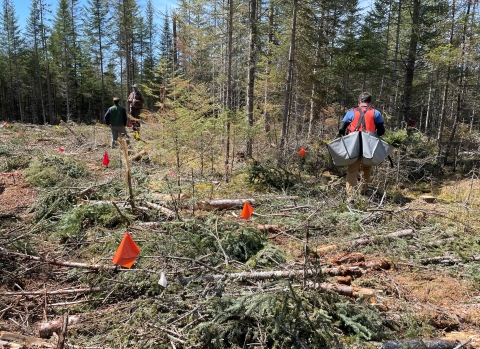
12,49
96,28
62,49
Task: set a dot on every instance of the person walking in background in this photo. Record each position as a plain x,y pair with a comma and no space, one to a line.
135,101
374,123
116,118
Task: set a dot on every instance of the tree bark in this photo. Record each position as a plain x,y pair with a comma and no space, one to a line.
288,86
251,76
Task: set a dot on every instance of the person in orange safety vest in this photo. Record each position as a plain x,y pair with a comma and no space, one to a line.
373,123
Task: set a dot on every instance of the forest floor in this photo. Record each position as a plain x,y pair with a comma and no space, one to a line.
431,288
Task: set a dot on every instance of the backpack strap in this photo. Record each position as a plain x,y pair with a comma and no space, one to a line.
361,121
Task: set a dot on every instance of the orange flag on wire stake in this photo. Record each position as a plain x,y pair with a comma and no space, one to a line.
302,152
106,160
127,252
247,210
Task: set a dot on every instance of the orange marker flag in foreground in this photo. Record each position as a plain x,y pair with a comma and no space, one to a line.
247,210
126,252
106,160
302,152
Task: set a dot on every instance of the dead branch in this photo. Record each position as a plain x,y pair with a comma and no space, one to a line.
448,260
138,156
56,292
63,332
269,228
58,262
419,343
345,290
290,274
128,176
46,329
397,234
10,340
121,214
463,344
169,213
80,140
223,204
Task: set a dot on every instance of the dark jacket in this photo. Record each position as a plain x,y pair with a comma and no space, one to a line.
116,116
135,100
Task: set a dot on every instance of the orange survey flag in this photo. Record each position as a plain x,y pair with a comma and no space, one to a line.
302,152
126,252
247,210
106,160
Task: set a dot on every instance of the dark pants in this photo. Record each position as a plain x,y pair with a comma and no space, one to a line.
116,130
134,112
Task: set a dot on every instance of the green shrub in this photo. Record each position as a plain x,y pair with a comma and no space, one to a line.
54,170
272,177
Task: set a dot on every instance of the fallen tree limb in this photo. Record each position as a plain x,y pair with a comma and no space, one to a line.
58,262
397,234
419,343
56,292
169,213
448,260
121,214
345,290
288,274
138,156
79,139
269,228
14,341
223,204
46,329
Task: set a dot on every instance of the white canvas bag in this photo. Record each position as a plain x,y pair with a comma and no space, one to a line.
375,149
346,149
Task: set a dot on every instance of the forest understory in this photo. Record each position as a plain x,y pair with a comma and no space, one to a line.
398,268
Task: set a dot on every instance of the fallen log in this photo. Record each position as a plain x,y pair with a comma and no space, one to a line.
223,204
169,213
138,156
51,293
345,290
290,274
13,340
419,343
397,234
46,329
57,261
269,228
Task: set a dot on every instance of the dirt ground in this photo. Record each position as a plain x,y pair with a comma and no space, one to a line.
447,301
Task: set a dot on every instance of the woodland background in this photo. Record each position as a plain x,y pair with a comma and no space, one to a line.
279,67
228,81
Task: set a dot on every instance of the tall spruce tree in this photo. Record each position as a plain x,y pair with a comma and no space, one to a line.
96,25
62,49
12,47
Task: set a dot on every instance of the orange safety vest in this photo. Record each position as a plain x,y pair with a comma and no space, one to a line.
369,120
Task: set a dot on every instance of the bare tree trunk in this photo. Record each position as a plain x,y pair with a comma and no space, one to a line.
267,66
461,85
251,76
412,56
288,87
229,90
393,97
174,39
445,91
